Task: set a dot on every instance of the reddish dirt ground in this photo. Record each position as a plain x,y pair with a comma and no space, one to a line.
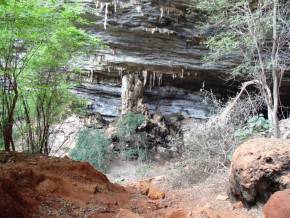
37,186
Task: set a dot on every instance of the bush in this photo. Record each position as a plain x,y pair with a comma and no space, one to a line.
132,142
91,146
136,153
208,144
128,124
255,125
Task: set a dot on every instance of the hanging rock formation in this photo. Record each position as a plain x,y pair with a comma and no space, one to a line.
152,36
132,94
161,38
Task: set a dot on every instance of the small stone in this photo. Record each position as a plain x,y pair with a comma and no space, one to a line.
238,205
222,197
155,193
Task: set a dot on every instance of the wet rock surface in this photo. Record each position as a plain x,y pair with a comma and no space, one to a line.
159,39
259,168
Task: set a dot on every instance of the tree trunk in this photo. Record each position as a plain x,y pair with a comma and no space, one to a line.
132,94
8,129
275,74
8,136
29,125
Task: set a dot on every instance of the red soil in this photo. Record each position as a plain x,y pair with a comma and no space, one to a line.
37,186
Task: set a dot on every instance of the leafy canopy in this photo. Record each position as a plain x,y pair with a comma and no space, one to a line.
37,40
238,27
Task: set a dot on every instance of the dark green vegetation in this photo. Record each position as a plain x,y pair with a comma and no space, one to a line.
128,124
256,124
37,39
128,135
91,146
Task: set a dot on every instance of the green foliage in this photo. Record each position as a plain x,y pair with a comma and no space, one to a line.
241,27
128,124
256,124
38,38
126,132
1,144
131,153
136,153
91,146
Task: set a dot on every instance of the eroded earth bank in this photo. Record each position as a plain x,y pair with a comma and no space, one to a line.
38,186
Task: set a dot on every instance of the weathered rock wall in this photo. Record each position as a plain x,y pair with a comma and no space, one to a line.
106,99
160,38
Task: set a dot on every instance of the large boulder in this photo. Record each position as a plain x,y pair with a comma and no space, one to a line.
259,168
278,206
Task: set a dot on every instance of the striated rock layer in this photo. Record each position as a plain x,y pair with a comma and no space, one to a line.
160,39
106,100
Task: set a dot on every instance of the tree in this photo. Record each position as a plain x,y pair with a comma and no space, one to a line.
37,39
258,33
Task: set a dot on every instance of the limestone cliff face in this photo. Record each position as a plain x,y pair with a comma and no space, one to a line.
161,39
158,37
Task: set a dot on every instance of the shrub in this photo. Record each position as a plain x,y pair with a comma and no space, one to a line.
132,142
208,145
136,153
91,146
128,124
255,125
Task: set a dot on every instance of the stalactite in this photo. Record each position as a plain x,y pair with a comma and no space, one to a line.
120,71
154,77
115,6
139,8
161,13
150,83
160,79
91,75
145,75
97,4
101,7
106,16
